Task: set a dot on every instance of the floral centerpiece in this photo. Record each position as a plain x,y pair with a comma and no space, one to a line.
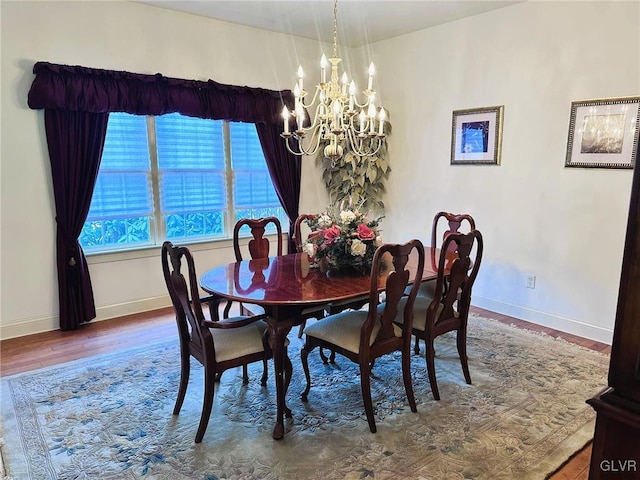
343,239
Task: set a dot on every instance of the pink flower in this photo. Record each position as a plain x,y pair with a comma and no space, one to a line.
331,233
365,233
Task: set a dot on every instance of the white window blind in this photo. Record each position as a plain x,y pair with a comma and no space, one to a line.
122,205
255,196
192,176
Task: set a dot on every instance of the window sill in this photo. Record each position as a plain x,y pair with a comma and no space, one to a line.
154,250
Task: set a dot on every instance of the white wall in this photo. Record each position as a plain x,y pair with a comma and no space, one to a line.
566,226
119,36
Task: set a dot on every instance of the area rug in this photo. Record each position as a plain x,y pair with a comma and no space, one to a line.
110,416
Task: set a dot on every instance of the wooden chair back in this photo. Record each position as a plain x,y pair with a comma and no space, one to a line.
397,281
258,245
297,230
195,339
449,309
454,223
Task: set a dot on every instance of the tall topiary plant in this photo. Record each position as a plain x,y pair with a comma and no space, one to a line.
357,179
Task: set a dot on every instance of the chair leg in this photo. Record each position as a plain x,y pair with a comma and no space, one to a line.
365,385
227,307
304,354
288,373
207,403
416,348
185,367
330,359
245,374
324,358
265,374
431,368
301,329
461,340
406,377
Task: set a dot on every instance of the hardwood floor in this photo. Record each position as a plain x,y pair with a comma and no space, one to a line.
50,348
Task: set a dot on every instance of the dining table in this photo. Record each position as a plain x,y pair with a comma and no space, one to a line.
287,285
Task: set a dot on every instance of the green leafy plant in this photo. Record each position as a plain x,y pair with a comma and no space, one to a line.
359,180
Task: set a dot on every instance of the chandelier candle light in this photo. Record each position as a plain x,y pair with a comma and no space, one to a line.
336,119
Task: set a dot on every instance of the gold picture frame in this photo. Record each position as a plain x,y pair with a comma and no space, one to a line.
476,136
603,133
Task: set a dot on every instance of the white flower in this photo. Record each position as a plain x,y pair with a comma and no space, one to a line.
325,221
347,216
309,249
358,248
378,241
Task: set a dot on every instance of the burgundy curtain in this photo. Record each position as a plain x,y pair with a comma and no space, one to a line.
77,101
75,141
285,170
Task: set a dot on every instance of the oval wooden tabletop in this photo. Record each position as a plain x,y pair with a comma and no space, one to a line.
290,279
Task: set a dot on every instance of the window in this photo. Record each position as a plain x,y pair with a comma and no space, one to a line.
178,178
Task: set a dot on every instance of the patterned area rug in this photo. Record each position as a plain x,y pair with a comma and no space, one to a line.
109,417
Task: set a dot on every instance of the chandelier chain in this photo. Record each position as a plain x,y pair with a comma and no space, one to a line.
335,28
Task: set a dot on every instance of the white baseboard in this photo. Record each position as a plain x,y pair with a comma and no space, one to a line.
47,324
568,325
575,327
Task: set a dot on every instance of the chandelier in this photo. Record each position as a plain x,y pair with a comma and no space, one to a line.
340,122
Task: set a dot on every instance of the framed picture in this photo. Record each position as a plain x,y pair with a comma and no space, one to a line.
476,136
603,133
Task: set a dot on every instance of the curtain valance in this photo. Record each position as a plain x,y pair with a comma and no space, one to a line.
77,88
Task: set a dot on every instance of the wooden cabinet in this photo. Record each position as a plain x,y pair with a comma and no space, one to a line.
616,443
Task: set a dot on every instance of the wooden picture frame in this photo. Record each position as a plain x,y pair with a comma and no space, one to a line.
476,136
603,133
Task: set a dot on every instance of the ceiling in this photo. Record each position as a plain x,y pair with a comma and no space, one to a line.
359,21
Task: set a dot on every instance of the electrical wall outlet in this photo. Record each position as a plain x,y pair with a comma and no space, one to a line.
531,281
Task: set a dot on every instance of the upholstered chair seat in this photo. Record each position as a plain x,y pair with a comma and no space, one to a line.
238,342
343,329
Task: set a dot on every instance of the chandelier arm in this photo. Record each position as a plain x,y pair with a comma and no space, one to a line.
363,105
377,149
310,104
314,144
357,144
319,119
362,149
287,144
351,140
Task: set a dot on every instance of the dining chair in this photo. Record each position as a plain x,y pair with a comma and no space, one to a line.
257,247
363,336
444,223
448,309
217,344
